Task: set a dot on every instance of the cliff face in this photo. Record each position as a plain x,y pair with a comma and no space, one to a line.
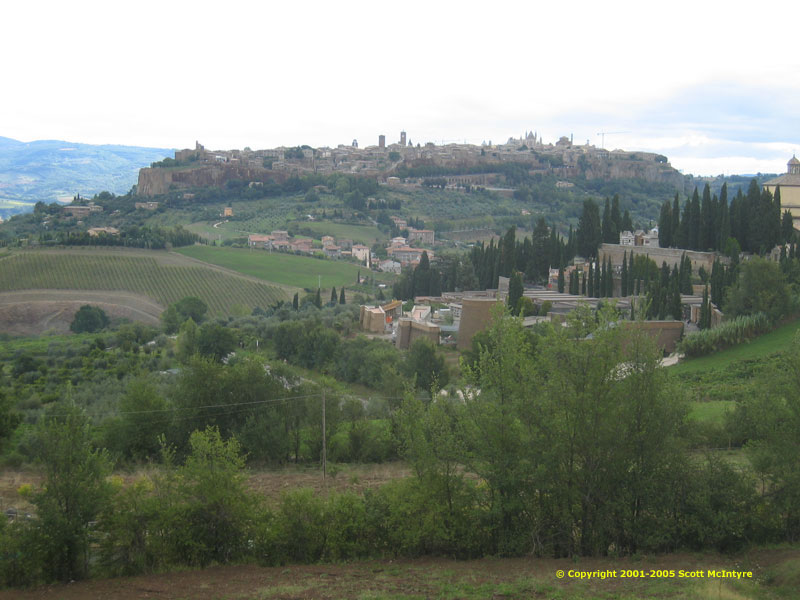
153,182
156,181
622,168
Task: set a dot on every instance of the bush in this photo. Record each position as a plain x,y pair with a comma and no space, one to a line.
89,319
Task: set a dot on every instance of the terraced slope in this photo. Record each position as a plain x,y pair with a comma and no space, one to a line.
163,280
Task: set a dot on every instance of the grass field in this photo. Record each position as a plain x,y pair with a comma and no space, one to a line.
712,411
363,234
278,267
154,275
761,347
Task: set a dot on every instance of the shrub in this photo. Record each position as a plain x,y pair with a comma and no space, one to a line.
89,319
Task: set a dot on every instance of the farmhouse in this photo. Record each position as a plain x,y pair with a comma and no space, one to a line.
362,253
423,236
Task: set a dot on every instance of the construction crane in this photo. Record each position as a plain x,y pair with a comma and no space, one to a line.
603,135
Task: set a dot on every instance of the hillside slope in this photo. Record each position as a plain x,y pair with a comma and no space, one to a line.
161,276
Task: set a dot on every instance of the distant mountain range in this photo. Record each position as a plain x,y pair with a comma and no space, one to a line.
48,169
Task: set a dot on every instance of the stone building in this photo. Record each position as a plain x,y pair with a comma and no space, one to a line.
410,330
790,189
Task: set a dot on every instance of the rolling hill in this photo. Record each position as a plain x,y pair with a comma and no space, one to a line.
159,276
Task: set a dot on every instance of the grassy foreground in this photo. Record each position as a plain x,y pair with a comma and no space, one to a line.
761,347
776,574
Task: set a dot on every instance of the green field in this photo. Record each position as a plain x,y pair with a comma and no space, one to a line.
759,348
712,411
278,267
165,281
364,234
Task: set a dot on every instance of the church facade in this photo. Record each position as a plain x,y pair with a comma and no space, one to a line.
790,189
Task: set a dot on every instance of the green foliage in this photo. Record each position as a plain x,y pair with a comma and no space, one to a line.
727,334
761,288
426,366
215,340
89,319
515,289
589,232
191,307
73,494
132,434
195,514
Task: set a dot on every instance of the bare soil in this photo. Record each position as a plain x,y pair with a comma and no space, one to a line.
32,312
420,578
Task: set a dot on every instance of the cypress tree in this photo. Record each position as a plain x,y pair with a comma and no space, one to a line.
775,219
676,222
624,281
665,225
608,231
342,299
694,221
616,218
685,225
583,283
601,293
706,234
597,289
561,280
296,301
724,219
318,299
627,224
589,233
515,290
591,281
787,227
334,295
630,274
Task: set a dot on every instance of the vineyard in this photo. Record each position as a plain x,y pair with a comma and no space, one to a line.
165,283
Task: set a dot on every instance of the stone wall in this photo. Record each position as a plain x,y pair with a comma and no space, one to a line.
475,315
666,334
672,256
373,319
409,331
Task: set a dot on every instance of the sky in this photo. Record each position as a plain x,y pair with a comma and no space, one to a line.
711,85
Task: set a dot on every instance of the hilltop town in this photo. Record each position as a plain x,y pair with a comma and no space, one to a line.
459,164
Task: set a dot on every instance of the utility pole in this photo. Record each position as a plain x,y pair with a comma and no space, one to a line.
324,442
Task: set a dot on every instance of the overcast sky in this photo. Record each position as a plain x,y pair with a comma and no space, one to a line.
712,85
